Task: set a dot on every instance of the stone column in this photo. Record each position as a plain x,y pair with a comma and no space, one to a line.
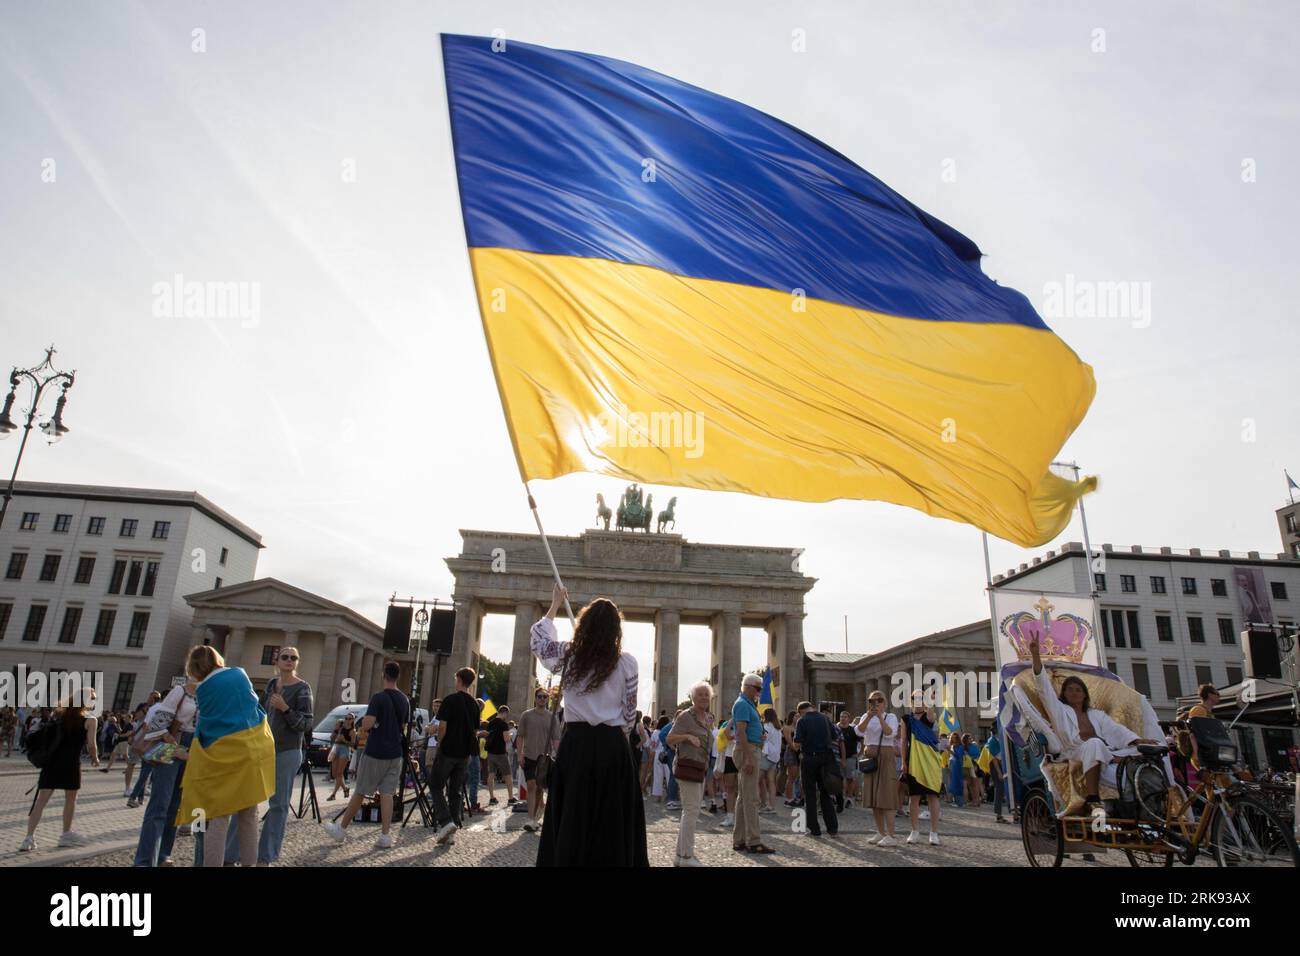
667,632
356,655
793,678
234,651
364,691
726,658
522,662
327,681
377,673
426,681
464,641
199,634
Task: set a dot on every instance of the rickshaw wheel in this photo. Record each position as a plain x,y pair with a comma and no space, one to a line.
1039,831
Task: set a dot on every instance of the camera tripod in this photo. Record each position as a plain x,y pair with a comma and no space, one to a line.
307,787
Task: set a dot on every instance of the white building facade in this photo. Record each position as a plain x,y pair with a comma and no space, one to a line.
1170,619
93,578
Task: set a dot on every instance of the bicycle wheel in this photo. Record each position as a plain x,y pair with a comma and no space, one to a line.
1246,832
1039,831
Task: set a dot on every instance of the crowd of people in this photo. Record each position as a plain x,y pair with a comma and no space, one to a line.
213,749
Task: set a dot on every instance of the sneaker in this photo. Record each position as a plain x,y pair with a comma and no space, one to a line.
531,827
934,839
792,803
72,838
672,805
385,842
914,837
445,833
729,820
166,861
511,801
766,810
492,802
848,803
687,861
330,797
924,815
28,844
334,831
887,840
126,793
133,803
873,839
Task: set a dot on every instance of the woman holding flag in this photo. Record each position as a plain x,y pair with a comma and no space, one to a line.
922,766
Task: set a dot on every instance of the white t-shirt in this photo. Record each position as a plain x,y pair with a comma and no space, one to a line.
871,734
771,743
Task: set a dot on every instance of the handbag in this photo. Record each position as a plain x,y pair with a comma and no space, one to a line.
545,763
871,764
690,769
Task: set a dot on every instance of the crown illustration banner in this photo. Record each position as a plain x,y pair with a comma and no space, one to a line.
1062,624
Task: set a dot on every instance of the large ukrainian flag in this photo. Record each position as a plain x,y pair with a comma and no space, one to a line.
679,289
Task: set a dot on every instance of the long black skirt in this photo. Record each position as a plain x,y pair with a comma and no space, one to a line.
594,814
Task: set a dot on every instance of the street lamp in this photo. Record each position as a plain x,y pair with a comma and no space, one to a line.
40,378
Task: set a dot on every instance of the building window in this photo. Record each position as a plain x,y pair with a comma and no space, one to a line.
1116,630
35,621
1128,583
1290,523
225,553
1195,630
161,529
1164,629
6,612
104,626
1227,633
1173,683
1157,585
1134,635
71,621
85,568
1295,550
217,586
1279,589
62,523
1204,674
1141,679
269,653
50,567
133,578
1189,585
1234,675
1099,582
1218,587
139,624
17,563
1105,628
119,572
125,688
128,528
95,527
150,579
29,520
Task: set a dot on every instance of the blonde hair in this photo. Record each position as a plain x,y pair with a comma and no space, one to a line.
289,647
202,661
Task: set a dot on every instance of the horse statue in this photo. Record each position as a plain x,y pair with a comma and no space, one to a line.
632,515
603,513
669,516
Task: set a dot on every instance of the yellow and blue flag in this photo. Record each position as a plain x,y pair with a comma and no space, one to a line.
924,761
488,710
767,696
679,289
947,722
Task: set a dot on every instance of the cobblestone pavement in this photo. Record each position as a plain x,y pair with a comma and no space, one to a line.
970,837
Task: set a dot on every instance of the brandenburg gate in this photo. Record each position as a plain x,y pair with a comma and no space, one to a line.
659,578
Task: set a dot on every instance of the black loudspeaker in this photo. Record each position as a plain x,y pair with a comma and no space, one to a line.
1263,658
441,626
397,630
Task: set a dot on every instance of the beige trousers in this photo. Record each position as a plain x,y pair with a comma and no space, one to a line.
746,832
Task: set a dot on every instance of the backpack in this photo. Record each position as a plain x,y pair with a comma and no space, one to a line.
665,752
43,742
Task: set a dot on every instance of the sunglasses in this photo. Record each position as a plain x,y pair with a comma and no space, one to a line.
288,657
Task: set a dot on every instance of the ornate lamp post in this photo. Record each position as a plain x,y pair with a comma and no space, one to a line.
40,378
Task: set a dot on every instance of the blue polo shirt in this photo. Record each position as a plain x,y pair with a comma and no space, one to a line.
744,710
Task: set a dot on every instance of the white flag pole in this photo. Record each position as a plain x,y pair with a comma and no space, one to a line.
532,505
993,632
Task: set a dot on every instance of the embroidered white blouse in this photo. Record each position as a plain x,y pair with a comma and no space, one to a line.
612,703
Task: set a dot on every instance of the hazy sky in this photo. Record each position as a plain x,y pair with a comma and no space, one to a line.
356,424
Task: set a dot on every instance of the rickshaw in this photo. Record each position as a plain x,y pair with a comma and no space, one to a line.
1156,822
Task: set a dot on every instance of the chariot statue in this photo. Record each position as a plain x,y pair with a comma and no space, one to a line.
633,515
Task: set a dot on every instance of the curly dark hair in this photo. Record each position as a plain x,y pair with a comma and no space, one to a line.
597,644
1087,700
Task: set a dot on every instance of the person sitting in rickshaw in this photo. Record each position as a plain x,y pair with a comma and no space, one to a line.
1087,735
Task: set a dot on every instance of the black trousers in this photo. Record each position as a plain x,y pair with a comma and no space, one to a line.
810,774
446,786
